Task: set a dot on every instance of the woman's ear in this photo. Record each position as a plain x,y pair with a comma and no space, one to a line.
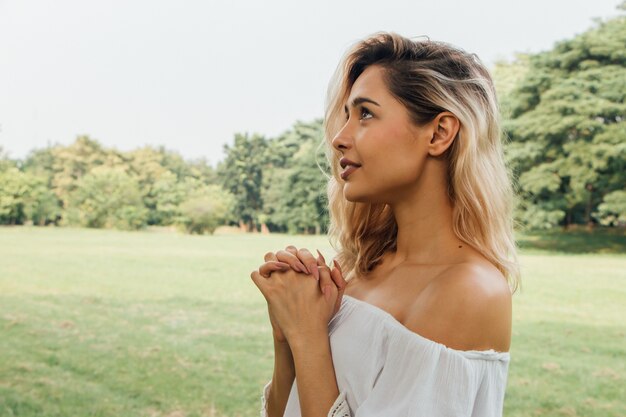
446,127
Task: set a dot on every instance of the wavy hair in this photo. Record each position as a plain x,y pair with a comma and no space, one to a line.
427,77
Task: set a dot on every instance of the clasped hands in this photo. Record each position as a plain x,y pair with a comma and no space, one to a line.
302,293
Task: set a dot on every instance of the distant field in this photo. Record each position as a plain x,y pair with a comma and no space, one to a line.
108,323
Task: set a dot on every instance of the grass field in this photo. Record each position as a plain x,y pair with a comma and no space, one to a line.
108,323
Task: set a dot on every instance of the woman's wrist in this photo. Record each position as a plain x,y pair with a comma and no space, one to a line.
304,339
283,354
281,345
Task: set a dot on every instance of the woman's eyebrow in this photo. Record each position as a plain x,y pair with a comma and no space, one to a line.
360,100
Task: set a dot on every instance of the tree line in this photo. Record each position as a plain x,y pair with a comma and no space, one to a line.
563,115
269,184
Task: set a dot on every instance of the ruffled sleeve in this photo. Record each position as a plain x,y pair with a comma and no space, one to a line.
339,408
266,392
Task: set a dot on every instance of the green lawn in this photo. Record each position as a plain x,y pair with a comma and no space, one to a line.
108,323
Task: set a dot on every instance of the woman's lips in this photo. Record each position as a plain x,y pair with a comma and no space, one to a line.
349,170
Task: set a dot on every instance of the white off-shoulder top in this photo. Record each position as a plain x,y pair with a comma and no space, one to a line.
385,369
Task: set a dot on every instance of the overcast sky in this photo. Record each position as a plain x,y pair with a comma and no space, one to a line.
189,74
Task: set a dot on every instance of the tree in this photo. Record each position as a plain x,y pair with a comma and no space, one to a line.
147,166
72,162
40,162
294,190
241,173
167,194
107,197
567,129
24,197
41,205
13,194
507,76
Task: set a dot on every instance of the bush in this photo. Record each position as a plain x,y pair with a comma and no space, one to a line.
206,209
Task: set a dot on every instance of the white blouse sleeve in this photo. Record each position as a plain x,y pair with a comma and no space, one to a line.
384,369
449,385
430,380
388,370
459,386
339,408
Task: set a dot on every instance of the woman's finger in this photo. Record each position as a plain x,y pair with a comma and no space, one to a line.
337,266
292,260
340,282
305,256
268,267
320,258
326,282
261,283
269,256
309,261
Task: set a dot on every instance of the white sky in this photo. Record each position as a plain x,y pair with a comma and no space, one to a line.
189,74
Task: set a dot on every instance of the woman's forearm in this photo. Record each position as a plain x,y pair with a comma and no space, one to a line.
317,383
284,374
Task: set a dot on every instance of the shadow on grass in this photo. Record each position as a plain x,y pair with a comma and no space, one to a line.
600,240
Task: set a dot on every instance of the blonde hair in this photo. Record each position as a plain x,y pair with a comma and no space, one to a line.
427,77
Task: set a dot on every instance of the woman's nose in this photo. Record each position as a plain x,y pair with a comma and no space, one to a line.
343,138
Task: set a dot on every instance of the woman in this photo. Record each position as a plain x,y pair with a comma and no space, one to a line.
421,216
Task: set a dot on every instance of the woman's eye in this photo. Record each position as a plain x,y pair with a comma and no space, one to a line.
364,113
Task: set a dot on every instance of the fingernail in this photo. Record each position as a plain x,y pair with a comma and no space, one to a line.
303,268
321,257
336,265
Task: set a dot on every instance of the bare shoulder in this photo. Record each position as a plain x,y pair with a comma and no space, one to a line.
467,307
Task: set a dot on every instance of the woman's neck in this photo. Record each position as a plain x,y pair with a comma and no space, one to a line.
424,219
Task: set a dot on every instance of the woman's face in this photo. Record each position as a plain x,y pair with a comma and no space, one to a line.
388,150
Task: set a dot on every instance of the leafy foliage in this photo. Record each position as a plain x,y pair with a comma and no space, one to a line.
107,197
278,182
294,192
613,209
87,185
206,209
25,196
241,173
567,129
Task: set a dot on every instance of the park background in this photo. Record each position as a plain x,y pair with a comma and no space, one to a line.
124,279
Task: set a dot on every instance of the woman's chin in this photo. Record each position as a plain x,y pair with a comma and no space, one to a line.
353,195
